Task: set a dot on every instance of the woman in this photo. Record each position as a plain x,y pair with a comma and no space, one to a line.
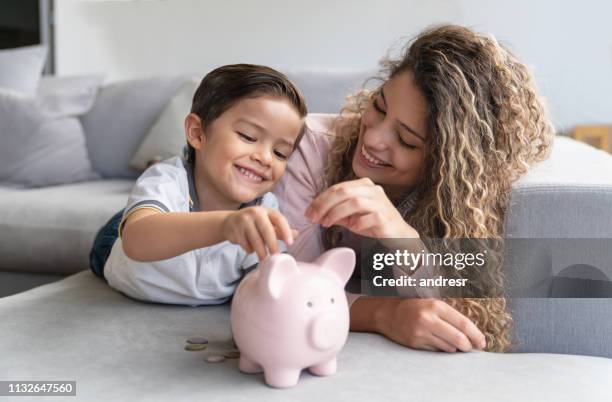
431,153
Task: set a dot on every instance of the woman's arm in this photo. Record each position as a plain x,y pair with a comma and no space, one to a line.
363,207
409,322
428,324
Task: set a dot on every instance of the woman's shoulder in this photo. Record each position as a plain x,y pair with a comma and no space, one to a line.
321,123
319,133
307,163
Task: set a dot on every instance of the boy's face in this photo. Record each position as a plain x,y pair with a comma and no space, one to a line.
244,151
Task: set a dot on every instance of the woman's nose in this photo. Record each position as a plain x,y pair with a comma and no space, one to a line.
379,136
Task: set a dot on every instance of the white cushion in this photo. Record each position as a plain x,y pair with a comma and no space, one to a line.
166,138
68,96
20,68
41,145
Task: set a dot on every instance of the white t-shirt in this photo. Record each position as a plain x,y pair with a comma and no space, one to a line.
207,275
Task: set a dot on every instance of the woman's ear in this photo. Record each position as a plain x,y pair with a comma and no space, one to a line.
193,131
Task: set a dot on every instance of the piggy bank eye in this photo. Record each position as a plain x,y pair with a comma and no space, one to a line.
332,300
309,304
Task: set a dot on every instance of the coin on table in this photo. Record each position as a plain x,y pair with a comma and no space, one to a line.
232,354
214,359
192,347
197,340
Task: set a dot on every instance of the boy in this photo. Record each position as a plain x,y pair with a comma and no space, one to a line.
188,225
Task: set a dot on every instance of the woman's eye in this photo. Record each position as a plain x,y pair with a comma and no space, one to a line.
377,107
405,144
280,155
246,137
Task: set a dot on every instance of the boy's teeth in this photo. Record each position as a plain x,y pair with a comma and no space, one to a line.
249,174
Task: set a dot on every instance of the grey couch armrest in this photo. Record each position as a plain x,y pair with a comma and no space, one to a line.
564,206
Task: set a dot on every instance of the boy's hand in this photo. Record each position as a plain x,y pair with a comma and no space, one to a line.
257,229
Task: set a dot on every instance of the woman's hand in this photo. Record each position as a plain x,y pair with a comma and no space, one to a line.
362,207
257,229
428,324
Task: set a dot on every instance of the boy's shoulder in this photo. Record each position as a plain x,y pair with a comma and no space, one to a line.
173,169
165,183
173,165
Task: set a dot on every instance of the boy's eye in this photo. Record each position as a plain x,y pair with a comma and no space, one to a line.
280,155
246,137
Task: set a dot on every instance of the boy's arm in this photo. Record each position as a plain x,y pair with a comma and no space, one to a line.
150,235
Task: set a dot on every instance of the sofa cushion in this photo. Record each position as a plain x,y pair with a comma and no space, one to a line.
116,348
69,95
42,140
166,138
51,230
120,118
20,68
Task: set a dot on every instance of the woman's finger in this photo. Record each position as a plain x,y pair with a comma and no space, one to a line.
336,190
330,198
361,223
345,209
440,344
451,335
464,325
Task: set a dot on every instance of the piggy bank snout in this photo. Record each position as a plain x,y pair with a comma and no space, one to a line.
327,331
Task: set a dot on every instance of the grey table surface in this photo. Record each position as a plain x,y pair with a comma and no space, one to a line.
119,349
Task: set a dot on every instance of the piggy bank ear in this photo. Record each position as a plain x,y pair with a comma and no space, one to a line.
276,270
340,261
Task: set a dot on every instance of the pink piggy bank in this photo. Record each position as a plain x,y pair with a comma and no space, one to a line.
288,315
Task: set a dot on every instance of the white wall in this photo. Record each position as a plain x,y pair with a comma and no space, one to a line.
567,44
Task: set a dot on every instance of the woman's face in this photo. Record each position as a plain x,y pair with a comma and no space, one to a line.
391,146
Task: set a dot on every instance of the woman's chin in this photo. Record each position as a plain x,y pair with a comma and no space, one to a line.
359,170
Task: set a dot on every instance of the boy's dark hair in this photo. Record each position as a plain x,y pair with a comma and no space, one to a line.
223,87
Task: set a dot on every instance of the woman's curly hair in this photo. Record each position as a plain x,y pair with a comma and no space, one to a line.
486,125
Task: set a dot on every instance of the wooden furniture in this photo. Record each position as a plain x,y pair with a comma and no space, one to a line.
597,136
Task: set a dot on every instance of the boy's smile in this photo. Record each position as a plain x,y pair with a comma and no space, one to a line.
243,153
250,175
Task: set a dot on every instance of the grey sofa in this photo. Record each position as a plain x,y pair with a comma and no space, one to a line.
120,349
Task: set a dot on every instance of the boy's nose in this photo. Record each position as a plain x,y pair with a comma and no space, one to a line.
264,157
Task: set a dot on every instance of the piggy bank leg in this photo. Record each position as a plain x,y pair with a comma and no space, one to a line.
282,378
328,368
248,366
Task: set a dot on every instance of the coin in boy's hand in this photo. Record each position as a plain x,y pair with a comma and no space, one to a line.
197,340
232,354
192,347
214,359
